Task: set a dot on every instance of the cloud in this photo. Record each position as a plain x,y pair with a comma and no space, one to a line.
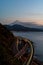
33,20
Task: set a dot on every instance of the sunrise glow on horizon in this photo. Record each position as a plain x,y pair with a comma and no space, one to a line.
23,10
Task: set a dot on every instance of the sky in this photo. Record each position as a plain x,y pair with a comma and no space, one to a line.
23,10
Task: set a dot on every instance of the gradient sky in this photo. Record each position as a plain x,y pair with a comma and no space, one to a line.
23,10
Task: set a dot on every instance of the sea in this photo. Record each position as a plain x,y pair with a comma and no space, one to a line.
37,38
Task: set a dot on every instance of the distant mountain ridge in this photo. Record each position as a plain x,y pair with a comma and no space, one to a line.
17,27
27,24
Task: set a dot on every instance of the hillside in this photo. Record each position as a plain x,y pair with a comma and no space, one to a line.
7,42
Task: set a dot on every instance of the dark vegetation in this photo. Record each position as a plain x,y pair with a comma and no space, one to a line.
7,41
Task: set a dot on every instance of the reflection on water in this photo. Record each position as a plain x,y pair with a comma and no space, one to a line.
37,38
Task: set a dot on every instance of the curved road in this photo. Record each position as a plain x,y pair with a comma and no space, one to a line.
31,53
20,53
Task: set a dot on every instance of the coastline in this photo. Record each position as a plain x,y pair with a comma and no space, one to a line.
7,42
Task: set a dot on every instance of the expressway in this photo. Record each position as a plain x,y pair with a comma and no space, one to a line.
31,53
23,50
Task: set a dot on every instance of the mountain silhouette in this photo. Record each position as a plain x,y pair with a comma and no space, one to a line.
26,24
17,27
